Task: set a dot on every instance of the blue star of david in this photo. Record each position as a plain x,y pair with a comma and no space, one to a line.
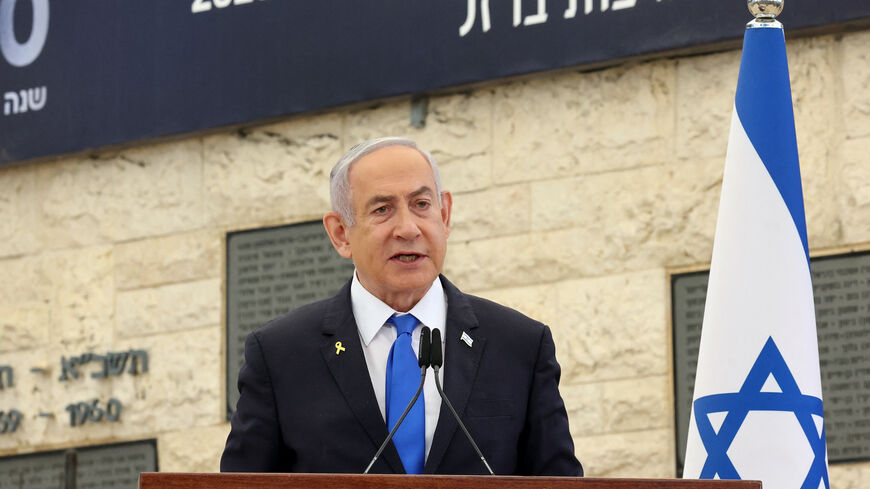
750,398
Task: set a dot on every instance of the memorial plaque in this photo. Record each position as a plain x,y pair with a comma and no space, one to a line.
841,290
270,272
37,471
689,293
116,466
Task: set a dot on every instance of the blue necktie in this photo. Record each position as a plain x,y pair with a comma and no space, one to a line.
403,378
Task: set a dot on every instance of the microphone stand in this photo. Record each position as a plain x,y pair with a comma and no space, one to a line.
437,360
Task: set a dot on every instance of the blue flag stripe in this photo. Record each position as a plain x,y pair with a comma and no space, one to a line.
763,103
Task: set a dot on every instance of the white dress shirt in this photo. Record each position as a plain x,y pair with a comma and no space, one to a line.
377,337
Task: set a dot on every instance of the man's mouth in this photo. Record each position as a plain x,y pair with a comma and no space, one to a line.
407,257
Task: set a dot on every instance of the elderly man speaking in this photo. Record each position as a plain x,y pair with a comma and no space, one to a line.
323,385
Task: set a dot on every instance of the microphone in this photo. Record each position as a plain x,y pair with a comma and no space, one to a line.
424,357
423,360
437,360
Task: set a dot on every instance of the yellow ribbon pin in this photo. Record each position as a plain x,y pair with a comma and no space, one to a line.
339,348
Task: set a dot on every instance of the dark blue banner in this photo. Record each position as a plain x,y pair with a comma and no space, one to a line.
79,74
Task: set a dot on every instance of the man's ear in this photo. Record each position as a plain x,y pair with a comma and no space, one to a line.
337,231
446,209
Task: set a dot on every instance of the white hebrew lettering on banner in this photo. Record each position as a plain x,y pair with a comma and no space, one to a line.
624,4
10,103
36,98
199,6
471,14
539,17
571,11
19,102
22,99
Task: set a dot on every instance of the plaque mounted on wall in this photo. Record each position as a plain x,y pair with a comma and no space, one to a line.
116,465
841,291
271,271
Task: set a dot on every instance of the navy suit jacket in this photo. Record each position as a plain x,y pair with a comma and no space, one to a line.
305,408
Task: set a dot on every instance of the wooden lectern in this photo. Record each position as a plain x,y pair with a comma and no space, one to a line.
157,480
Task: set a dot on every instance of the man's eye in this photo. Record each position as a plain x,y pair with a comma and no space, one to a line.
381,210
423,204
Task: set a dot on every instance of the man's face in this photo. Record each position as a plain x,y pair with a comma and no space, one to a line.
399,237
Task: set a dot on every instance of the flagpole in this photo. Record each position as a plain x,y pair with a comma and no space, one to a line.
757,410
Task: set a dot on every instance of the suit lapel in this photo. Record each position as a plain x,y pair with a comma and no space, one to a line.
460,369
348,368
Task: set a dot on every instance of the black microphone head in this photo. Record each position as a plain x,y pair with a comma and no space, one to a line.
436,357
423,358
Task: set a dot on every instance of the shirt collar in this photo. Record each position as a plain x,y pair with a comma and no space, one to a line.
371,313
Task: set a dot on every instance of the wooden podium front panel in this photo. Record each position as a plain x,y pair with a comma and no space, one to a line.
157,480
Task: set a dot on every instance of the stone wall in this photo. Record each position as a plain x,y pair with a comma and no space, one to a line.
576,196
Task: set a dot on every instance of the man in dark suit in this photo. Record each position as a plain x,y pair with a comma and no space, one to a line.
321,384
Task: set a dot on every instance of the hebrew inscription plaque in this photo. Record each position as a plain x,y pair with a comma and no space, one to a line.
270,272
116,466
841,290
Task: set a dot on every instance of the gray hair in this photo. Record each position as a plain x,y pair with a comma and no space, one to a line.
339,181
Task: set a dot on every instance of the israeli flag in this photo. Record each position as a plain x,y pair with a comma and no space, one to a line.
757,406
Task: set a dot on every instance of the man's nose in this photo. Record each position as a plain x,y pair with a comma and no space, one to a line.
406,225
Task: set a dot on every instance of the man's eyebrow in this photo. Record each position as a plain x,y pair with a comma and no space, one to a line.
386,199
421,191
379,199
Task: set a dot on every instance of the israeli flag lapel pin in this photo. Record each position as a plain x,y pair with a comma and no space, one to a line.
467,339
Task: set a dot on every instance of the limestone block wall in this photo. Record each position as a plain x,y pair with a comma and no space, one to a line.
576,196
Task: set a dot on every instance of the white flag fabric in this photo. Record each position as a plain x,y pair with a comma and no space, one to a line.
757,405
